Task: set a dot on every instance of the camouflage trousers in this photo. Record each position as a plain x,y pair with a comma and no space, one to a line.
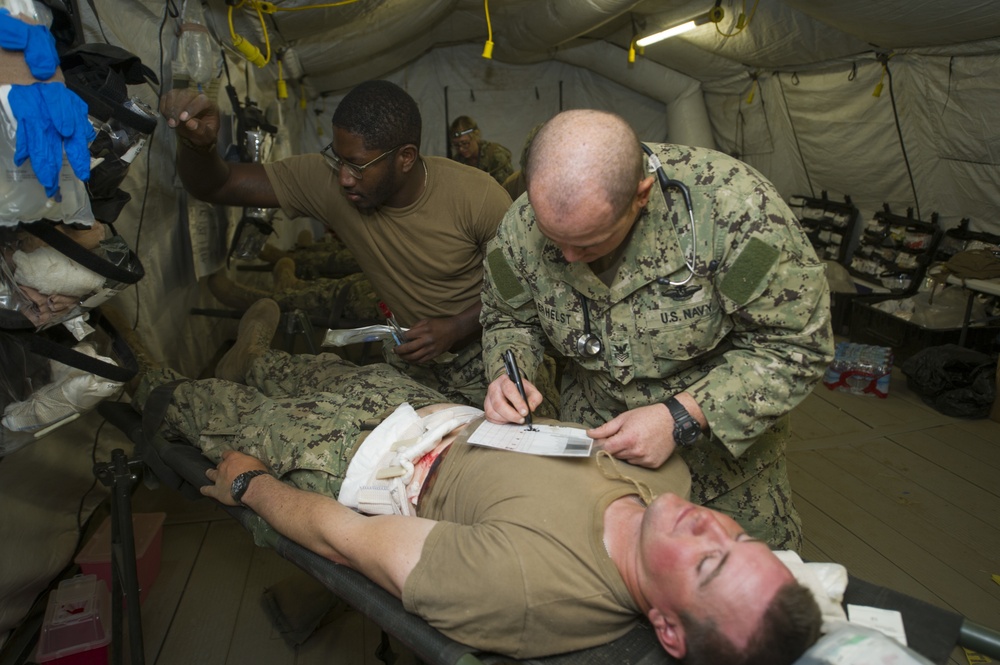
327,258
754,490
302,415
351,298
462,379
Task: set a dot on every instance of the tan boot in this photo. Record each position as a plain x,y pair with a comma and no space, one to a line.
284,276
304,239
231,294
272,254
253,339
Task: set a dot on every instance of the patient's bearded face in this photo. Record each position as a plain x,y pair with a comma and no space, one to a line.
702,562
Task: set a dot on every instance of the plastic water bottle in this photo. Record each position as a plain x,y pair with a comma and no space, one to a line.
860,369
196,50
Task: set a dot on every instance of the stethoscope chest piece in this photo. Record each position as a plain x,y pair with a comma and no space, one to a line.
589,345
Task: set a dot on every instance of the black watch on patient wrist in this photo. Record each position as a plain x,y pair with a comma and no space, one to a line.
242,482
686,428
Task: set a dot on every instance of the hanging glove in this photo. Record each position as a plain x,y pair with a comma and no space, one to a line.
50,116
36,41
69,117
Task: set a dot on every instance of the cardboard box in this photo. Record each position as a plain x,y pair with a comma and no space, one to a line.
77,625
95,557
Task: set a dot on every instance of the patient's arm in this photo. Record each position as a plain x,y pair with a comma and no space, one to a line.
384,548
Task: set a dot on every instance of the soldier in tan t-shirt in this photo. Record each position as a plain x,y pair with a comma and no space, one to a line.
418,226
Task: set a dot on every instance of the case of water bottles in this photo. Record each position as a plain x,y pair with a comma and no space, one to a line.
860,369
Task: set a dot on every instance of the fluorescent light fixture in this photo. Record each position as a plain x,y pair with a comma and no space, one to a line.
714,15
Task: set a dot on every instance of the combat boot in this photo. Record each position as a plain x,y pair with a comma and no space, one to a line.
231,294
284,276
253,339
272,254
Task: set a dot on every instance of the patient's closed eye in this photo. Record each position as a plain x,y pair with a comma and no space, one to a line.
712,572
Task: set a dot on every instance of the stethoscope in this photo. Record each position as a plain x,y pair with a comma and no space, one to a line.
588,344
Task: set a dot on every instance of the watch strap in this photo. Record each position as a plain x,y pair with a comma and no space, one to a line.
686,428
242,482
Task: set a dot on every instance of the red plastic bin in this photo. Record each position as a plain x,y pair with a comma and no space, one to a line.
95,557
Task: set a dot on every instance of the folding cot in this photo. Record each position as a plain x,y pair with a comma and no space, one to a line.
932,632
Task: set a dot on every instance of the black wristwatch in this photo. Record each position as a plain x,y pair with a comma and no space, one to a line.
686,429
242,482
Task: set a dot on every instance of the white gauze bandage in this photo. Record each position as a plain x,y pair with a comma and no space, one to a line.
382,467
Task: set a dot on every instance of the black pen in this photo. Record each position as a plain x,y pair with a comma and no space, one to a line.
515,375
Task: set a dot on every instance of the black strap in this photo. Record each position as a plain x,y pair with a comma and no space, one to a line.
41,345
154,410
46,231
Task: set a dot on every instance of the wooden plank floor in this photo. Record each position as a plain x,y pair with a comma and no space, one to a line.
903,496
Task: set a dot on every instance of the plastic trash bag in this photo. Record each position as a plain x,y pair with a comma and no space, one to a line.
953,380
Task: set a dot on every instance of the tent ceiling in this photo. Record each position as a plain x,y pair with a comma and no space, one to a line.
339,46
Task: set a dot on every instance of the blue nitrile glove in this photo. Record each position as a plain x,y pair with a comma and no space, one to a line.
49,116
69,117
36,138
36,41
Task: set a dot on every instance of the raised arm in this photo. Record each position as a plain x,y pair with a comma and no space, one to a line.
202,171
384,548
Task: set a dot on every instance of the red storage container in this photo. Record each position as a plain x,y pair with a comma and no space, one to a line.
95,557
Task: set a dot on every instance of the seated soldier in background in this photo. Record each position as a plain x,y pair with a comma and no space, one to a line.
468,147
507,552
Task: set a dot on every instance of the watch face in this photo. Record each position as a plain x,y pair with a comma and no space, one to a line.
240,484
239,487
686,428
687,433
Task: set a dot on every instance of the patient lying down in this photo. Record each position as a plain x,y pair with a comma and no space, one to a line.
505,552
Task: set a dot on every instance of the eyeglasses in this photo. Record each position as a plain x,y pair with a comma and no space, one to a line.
354,170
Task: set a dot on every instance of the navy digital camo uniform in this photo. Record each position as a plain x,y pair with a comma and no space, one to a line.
748,336
303,415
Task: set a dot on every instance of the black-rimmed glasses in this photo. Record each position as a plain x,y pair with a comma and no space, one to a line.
354,170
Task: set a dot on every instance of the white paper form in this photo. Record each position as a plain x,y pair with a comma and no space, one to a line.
551,440
889,622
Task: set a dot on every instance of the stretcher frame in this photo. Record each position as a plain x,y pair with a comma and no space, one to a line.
931,631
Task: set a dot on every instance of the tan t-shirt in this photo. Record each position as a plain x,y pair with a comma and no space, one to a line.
424,260
517,563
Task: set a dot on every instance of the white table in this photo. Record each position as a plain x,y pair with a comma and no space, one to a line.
988,286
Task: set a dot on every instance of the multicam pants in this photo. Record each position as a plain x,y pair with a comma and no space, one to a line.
300,414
